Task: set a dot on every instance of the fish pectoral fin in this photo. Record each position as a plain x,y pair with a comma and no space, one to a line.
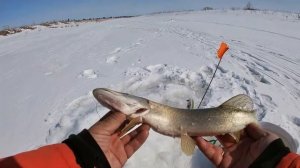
132,123
236,135
187,144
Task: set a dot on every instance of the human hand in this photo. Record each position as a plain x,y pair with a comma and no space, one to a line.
238,155
106,133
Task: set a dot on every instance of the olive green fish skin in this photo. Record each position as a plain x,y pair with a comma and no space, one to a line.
199,122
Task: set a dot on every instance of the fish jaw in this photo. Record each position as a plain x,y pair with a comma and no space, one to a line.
132,106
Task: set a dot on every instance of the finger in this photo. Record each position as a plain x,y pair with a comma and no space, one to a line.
106,115
212,152
112,121
226,140
128,137
136,142
131,135
255,132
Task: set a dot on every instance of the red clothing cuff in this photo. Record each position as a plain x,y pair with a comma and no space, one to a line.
292,160
57,155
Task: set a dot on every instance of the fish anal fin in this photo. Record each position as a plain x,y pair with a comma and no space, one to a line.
132,123
240,101
237,135
187,144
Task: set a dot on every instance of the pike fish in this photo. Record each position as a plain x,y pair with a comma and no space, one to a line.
231,117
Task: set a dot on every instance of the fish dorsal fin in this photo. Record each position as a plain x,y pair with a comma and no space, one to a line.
240,101
187,144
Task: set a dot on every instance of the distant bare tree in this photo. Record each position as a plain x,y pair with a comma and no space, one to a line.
207,8
249,6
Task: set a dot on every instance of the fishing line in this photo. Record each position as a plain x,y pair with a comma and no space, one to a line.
221,51
209,83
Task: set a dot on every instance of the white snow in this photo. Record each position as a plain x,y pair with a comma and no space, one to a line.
47,74
89,73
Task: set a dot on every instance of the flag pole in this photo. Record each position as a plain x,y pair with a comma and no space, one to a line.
210,83
223,48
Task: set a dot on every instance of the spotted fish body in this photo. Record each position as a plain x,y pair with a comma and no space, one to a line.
230,117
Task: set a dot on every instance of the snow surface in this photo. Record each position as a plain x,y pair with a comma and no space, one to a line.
47,74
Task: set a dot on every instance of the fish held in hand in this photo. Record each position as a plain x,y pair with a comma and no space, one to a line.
230,117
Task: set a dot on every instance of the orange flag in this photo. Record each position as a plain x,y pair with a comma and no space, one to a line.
223,48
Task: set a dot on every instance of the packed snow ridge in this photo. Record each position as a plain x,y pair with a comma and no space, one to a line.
47,75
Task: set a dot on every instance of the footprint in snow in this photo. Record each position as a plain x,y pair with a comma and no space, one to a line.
258,76
88,73
116,50
48,73
112,59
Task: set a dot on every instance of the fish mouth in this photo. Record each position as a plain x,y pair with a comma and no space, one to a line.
107,98
122,102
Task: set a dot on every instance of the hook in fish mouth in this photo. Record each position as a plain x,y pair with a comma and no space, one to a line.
129,105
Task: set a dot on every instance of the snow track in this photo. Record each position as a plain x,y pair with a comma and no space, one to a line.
47,75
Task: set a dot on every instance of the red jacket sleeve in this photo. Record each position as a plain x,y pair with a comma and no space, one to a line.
57,155
291,160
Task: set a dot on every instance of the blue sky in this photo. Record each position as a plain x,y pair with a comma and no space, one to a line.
21,12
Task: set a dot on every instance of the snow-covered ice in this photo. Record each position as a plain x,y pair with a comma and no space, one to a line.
47,74
88,73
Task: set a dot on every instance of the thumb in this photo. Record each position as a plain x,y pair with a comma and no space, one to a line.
111,121
255,131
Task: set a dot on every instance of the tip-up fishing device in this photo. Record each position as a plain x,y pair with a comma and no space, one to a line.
221,51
